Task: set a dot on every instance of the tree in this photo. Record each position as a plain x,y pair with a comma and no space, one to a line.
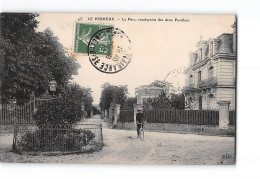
156,83
177,101
95,110
129,104
161,84
58,112
30,59
110,93
79,95
17,31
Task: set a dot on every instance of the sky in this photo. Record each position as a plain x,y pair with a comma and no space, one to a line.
157,47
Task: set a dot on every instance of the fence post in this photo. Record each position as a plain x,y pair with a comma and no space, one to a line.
223,114
116,113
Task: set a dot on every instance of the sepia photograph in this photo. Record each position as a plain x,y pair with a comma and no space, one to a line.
118,88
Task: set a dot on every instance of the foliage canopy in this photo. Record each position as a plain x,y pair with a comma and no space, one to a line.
110,93
58,112
30,59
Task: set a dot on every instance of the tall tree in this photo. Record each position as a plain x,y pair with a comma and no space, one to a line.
79,95
176,101
157,83
30,59
110,93
161,84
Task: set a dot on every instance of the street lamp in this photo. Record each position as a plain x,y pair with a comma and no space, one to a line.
53,86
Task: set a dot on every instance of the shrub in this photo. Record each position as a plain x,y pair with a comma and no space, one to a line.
55,140
58,112
55,131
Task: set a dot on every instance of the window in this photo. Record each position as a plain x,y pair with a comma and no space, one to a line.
191,79
147,91
199,76
211,72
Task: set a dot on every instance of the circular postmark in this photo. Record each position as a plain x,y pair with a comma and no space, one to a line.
109,50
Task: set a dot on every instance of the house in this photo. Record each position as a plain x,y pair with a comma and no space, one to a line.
211,75
149,91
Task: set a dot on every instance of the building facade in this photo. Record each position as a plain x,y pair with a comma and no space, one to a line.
211,75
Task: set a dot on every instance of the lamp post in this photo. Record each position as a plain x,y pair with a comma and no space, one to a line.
53,86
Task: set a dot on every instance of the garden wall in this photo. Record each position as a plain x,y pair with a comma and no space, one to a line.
179,128
7,128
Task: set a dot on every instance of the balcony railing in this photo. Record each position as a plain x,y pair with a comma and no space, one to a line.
208,82
189,88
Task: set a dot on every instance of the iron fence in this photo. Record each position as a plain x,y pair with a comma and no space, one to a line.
197,117
58,138
126,115
10,114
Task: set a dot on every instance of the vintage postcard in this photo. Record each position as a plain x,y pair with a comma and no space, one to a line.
118,88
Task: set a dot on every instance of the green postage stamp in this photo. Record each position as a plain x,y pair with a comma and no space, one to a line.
108,48
100,35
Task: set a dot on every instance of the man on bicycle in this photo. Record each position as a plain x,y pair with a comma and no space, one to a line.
139,121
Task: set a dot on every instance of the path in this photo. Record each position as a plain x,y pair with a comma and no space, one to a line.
122,147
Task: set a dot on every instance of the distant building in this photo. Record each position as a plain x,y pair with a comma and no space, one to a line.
211,75
145,92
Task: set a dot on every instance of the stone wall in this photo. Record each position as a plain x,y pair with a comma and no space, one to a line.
179,128
8,128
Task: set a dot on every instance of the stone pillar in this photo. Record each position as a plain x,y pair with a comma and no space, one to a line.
116,113
136,107
91,112
111,112
102,113
106,112
223,114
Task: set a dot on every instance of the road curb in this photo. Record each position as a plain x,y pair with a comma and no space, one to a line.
177,132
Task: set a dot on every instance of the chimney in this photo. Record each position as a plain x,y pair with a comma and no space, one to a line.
234,26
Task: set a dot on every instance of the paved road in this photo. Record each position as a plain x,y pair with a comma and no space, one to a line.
122,147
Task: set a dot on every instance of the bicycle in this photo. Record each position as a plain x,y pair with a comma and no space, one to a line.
141,131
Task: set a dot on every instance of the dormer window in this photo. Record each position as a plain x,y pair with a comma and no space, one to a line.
194,57
200,54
